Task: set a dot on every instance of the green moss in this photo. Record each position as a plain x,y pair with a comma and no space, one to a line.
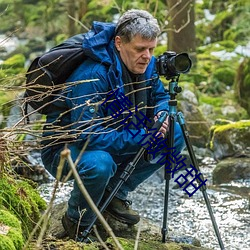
6,243
9,219
236,125
13,239
21,199
16,237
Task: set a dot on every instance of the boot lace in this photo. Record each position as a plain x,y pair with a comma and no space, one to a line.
127,203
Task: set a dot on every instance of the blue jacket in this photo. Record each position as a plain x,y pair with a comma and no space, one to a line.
87,118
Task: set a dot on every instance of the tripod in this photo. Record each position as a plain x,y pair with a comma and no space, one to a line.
173,90
126,173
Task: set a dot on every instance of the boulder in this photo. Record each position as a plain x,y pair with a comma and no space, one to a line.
231,169
197,125
230,139
150,235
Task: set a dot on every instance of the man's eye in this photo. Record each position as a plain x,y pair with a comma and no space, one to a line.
139,50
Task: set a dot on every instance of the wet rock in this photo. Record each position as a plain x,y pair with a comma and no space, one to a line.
231,169
232,139
197,125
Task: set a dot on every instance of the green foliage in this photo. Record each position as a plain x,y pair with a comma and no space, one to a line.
219,102
12,67
214,101
17,61
229,22
224,75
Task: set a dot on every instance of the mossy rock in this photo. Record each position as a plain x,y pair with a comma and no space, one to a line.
22,200
150,235
128,244
11,237
231,139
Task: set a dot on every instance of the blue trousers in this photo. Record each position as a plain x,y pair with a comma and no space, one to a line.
99,171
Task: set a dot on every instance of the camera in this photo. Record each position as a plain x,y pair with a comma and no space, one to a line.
171,65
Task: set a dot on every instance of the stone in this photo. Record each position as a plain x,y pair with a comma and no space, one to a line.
230,140
231,169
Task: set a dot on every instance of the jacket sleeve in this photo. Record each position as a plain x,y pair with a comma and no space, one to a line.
88,116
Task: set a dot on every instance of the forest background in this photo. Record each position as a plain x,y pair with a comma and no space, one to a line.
214,33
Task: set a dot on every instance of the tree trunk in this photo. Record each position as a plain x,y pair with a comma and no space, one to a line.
71,6
181,27
83,7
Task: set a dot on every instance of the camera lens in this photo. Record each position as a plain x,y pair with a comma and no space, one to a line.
182,63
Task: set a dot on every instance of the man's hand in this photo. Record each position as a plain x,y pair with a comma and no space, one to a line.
164,128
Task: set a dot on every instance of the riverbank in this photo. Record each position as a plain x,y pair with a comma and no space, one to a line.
188,217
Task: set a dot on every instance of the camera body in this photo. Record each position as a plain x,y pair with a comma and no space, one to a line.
171,65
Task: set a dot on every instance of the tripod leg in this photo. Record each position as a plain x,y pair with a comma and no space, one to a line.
203,187
164,229
167,178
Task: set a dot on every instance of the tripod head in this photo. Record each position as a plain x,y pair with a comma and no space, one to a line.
174,89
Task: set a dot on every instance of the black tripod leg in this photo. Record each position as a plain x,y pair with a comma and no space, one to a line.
164,229
203,187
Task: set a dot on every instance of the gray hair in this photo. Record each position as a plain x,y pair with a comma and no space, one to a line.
137,22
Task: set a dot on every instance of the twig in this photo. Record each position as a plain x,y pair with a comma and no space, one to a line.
99,238
66,154
77,21
137,236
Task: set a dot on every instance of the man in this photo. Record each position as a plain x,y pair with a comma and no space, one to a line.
121,69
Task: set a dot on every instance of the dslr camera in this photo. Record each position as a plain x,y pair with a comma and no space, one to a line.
171,65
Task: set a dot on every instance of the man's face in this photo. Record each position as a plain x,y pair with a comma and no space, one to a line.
137,53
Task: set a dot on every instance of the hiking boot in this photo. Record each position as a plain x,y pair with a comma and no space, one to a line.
75,231
121,211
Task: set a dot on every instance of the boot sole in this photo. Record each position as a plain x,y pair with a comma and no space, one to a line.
121,219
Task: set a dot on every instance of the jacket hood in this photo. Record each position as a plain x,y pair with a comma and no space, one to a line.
98,43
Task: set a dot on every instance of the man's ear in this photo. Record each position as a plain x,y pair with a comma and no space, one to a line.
118,42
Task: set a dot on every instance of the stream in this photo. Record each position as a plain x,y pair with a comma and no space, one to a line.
188,216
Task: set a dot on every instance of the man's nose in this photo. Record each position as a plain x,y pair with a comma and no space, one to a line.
146,54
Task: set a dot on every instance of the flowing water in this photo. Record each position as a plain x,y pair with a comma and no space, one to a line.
188,216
